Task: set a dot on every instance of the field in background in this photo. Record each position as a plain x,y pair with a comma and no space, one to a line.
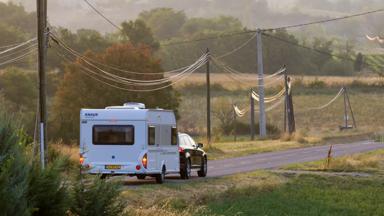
366,94
250,80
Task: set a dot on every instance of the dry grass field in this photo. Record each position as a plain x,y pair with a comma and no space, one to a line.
366,95
250,80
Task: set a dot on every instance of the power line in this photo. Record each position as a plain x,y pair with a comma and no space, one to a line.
241,32
102,15
273,29
313,49
18,57
89,73
326,20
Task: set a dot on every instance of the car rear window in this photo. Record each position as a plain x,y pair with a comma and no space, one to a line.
113,134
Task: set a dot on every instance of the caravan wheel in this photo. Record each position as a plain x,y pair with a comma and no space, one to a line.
161,177
141,177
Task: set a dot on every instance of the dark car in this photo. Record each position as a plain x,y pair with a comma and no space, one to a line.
192,156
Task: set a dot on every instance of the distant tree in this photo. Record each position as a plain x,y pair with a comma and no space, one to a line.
319,59
78,90
220,24
81,41
10,35
359,62
16,16
164,22
19,87
223,112
139,33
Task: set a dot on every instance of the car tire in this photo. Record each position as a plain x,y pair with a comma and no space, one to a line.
161,177
185,172
203,169
103,176
141,177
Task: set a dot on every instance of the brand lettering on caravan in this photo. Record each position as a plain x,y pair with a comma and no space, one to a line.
91,115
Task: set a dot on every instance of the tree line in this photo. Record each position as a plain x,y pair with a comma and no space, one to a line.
143,45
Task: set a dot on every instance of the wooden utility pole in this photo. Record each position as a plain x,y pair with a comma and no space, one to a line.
42,45
208,100
252,113
262,117
289,116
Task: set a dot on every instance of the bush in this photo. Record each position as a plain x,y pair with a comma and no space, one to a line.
98,198
337,68
14,171
245,129
317,84
47,192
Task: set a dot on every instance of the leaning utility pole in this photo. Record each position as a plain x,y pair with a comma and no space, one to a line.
260,68
208,100
42,45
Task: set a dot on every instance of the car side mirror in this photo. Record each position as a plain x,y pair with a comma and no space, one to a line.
200,145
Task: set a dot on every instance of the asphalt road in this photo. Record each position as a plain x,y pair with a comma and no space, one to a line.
281,158
269,160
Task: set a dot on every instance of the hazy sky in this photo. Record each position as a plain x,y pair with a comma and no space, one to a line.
75,14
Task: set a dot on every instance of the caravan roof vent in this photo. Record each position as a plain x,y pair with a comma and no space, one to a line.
132,105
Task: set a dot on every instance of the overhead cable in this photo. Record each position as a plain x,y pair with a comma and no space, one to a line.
326,20
327,104
238,48
136,82
18,57
240,112
102,15
18,51
272,29
315,50
376,38
90,60
17,46
271,99
91,74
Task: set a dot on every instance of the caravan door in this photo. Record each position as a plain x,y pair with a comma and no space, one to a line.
153,148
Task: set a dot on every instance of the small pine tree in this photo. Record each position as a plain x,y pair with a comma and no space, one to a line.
98,198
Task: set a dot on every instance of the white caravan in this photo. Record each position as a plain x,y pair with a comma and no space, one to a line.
129,140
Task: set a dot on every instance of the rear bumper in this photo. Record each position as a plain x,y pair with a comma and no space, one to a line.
124,170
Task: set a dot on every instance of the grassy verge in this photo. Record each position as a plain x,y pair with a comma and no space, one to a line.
308,195
265,193
372,162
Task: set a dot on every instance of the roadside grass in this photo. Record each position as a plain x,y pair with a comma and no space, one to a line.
261,193
267,193
230,149
371,162
190,197
308,195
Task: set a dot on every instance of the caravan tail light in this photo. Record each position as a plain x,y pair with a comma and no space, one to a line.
144,161
181,150
81,160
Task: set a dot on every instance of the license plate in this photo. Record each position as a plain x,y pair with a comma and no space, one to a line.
112,167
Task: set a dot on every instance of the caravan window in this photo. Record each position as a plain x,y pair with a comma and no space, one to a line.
151,135
113,135
174,136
